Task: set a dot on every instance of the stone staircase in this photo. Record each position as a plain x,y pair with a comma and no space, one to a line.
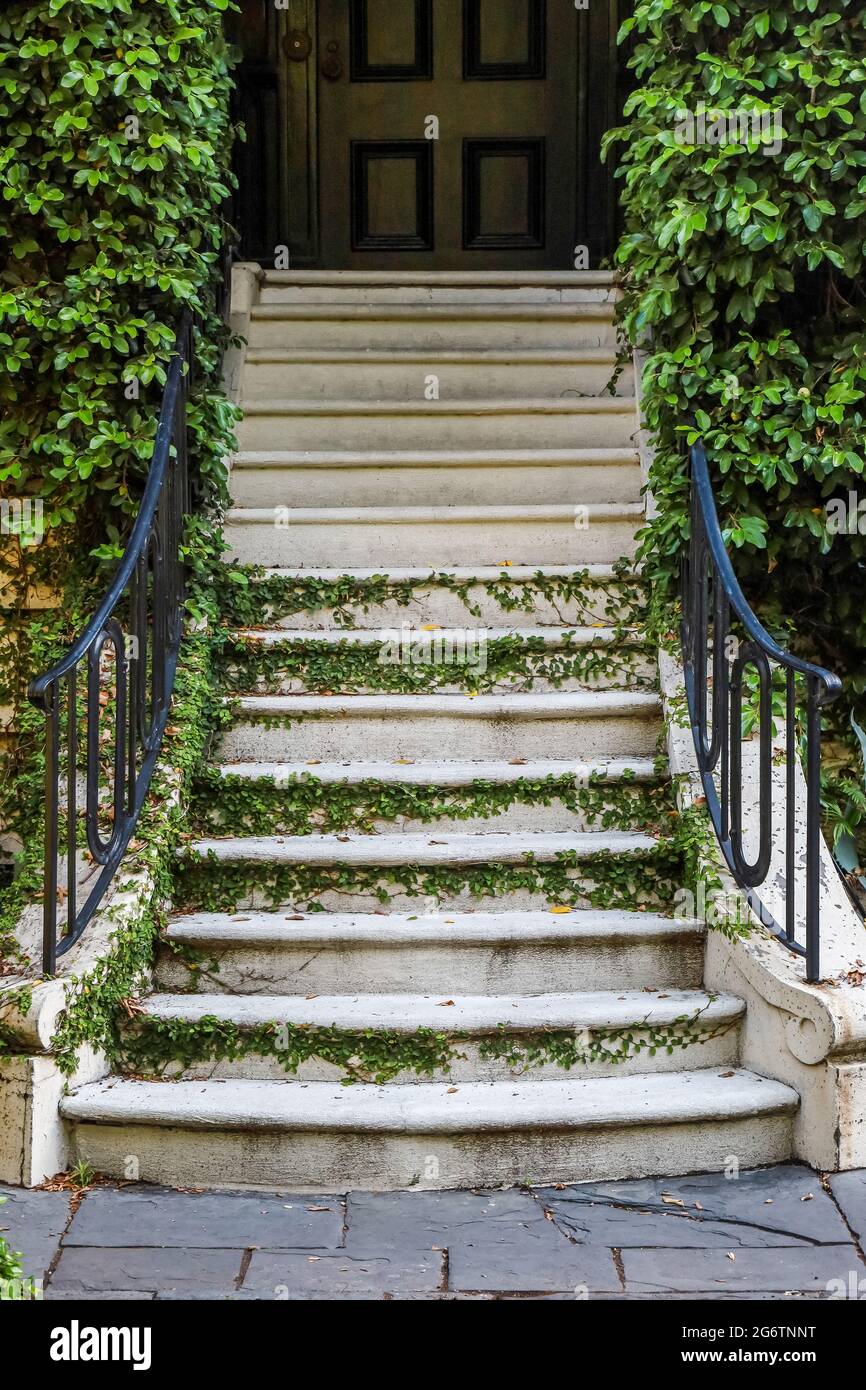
437,856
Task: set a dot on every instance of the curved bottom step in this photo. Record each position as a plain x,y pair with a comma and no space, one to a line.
322,1137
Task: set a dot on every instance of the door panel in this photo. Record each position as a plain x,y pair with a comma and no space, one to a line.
391,42
392,195
504,39
498,188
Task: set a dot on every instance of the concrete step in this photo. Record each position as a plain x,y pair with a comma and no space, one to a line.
546,535
324,1137
437,287
637,1031
588,422
424,850
467,953
449,659
429,327
454,597
466,477
577,726
603,783
335,373
355,872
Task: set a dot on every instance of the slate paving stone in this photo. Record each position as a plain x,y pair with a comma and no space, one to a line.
528,1259
809,1269
496,1240
417,1221
100,1269
849,1189
788,1200
33,1223
286,1275
638,1228
214,1220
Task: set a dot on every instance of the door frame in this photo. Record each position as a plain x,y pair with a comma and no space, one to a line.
282,166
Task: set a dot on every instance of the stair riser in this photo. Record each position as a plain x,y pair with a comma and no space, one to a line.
400,900
447,335
415,294
328,1162
439,429
425,487
423,738
623,669
715,1052
445,970
410,381
606,603
440,543
516,818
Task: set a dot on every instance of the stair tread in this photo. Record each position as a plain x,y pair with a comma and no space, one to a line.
300,516
472,1107
401,929
460,573
414,848
544,405
427,458
531,310
374,637
469,356
570,279
445,774
554,704
407,1013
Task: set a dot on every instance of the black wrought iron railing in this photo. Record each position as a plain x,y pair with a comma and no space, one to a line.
120,674
723,642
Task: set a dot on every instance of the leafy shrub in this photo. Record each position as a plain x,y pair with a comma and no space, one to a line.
747,270
114,167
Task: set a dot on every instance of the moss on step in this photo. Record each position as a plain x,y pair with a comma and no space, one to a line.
304,804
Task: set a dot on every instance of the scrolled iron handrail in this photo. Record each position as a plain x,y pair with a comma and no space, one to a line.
715,701
149,589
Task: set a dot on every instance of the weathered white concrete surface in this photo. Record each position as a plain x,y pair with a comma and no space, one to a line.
428,849
598,590
577,534
269,1134
362,374
472,953
577,725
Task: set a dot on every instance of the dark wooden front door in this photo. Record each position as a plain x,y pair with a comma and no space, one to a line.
426,134
447,133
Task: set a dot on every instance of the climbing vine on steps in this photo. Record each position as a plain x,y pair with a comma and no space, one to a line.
157,1046
638,881
250,596
303,805
478,664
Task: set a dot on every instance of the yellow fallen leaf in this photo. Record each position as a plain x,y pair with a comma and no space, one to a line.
558,911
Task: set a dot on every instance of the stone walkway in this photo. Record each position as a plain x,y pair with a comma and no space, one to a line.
772,1233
